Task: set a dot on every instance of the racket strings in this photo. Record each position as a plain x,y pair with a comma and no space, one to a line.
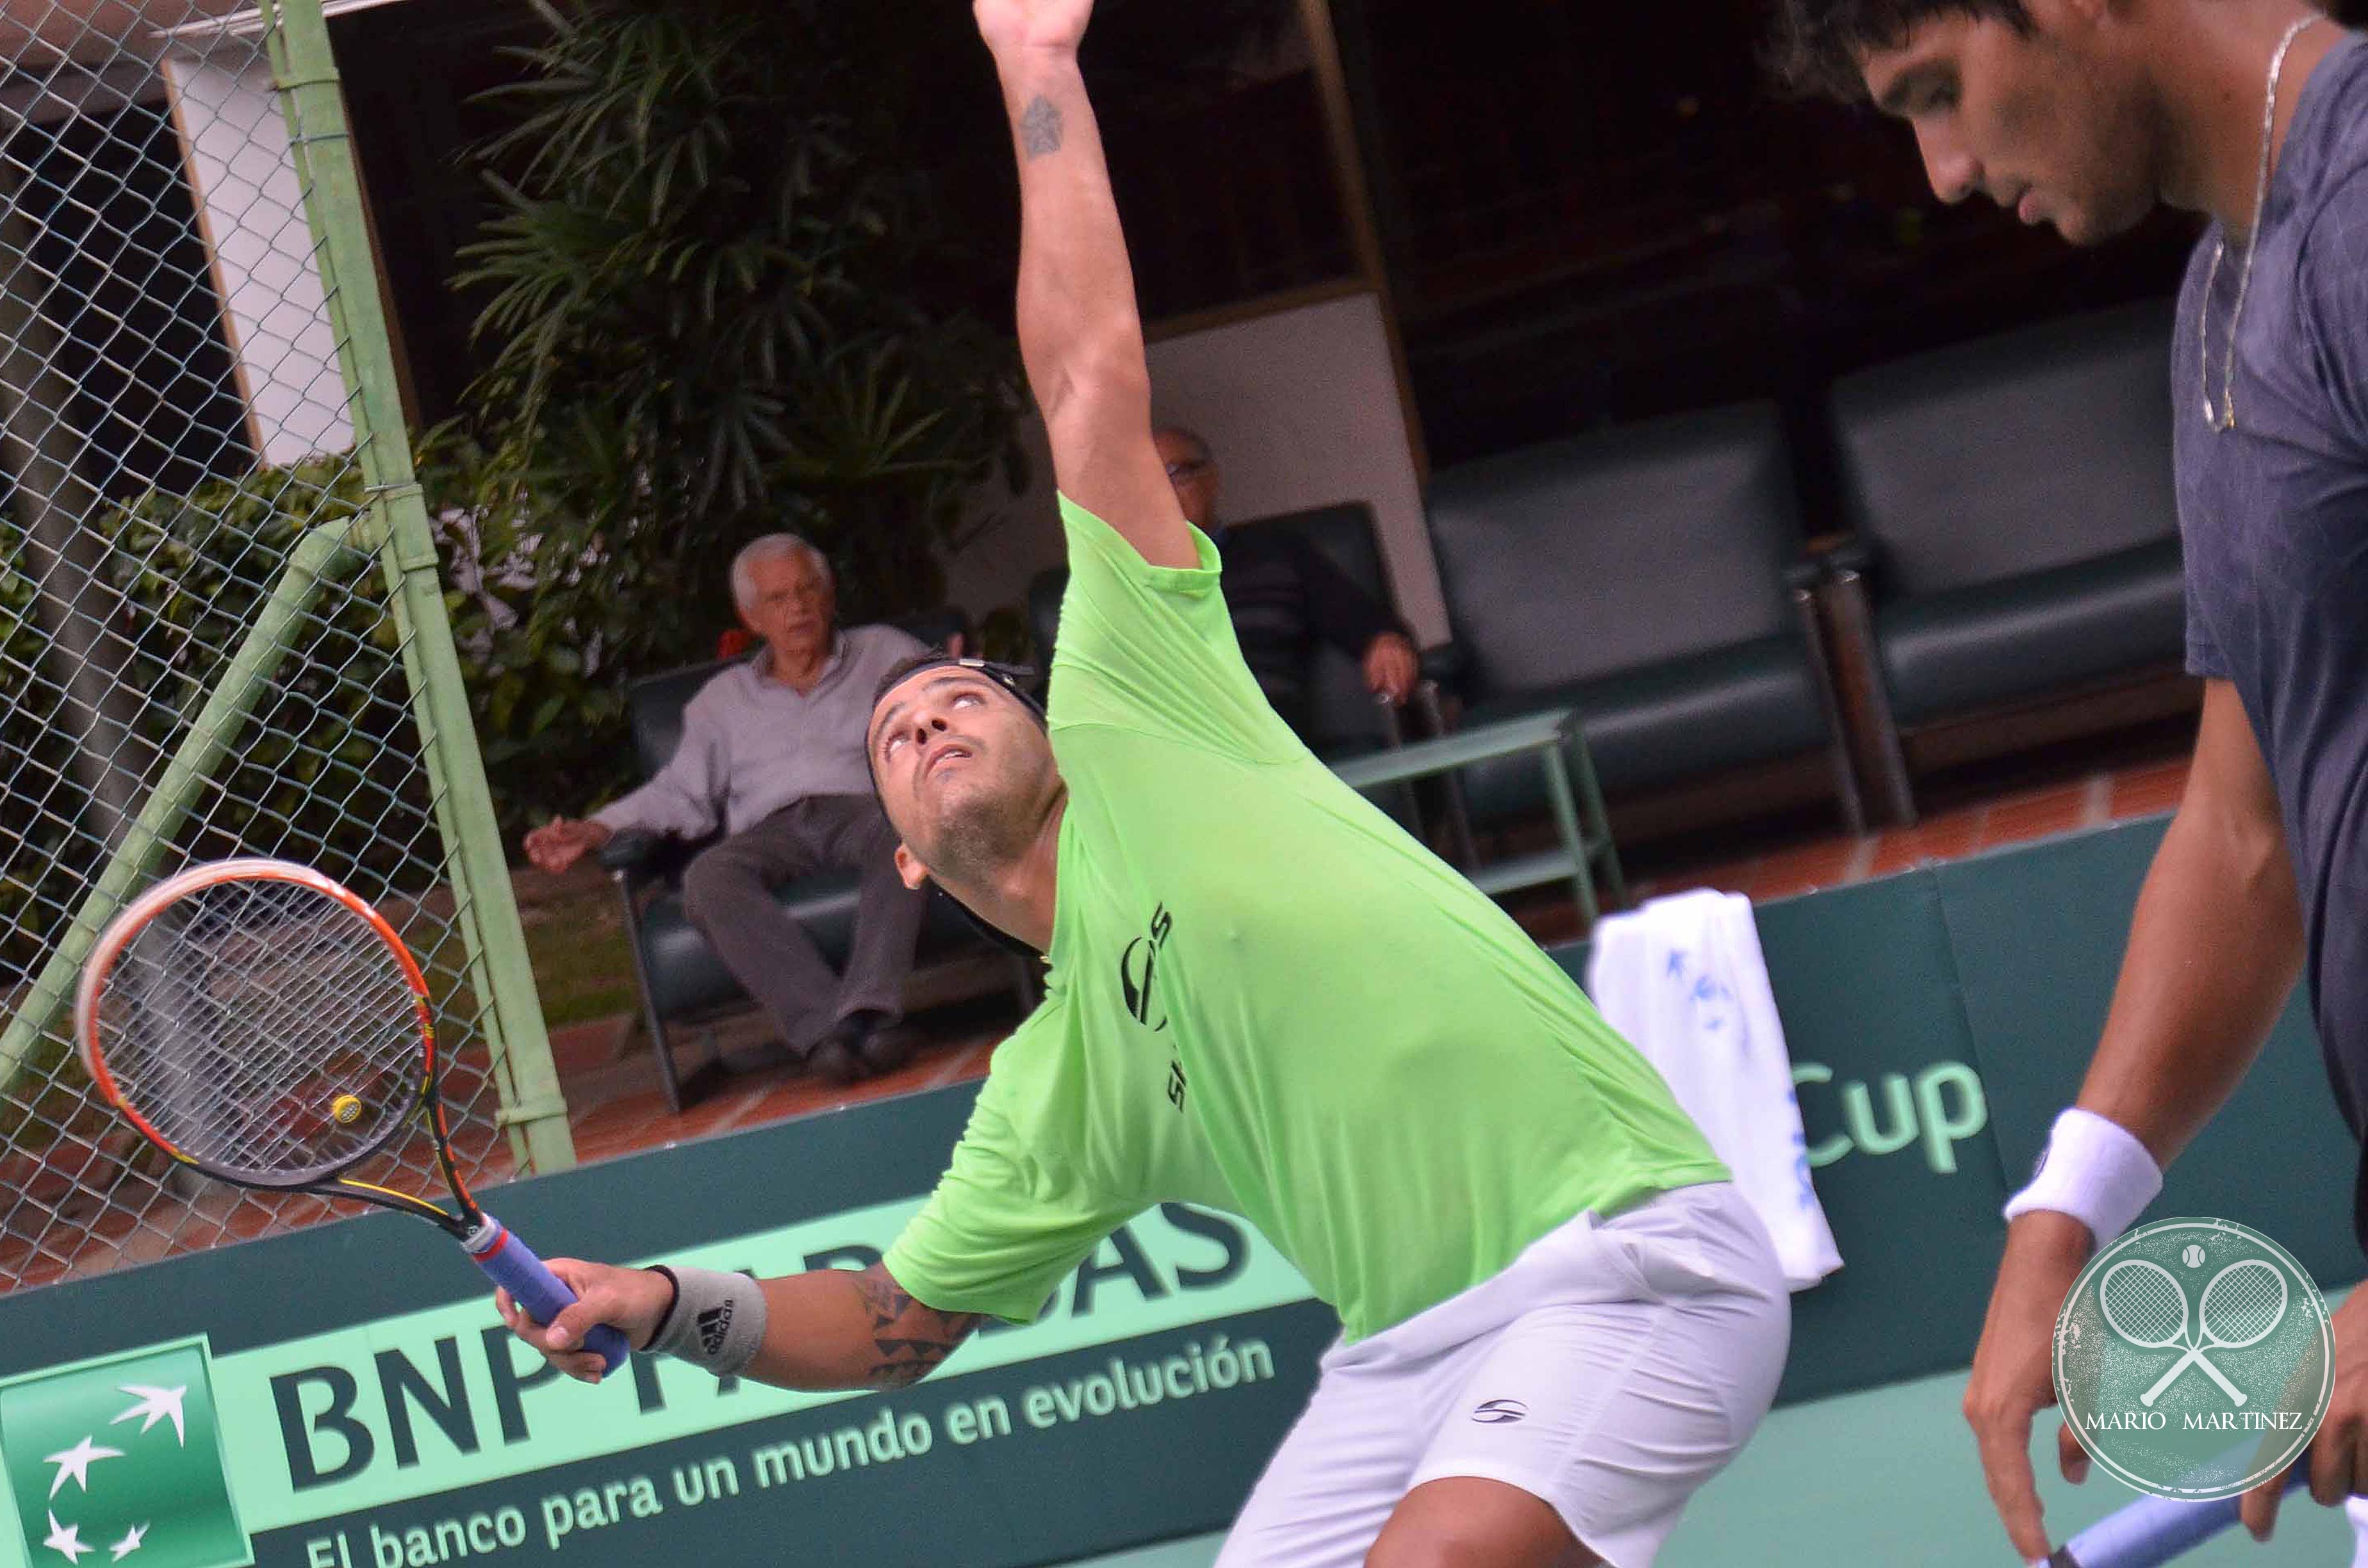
2145,1304
2244,1304
266,1028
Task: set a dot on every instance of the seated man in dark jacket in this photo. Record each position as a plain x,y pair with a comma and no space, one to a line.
1285,596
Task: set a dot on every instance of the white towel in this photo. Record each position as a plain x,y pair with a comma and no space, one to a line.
1683,979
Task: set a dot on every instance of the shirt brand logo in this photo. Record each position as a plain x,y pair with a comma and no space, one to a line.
1138,964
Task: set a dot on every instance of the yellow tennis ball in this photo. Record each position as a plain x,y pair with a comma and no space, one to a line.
346,1109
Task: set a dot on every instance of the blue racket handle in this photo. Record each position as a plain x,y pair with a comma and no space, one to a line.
512,1264
2153,1530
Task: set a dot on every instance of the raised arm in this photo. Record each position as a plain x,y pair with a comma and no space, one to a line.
1079,333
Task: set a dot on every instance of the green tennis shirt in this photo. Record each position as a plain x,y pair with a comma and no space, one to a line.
1264,997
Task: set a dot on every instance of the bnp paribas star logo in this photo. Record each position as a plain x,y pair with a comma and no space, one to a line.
2195,1358
119,1460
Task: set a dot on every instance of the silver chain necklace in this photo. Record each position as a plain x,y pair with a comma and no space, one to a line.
2224,416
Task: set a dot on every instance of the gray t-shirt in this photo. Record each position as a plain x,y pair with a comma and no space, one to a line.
751,745
2274,515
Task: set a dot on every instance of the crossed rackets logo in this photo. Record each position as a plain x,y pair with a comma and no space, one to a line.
2146,1304
2200,1296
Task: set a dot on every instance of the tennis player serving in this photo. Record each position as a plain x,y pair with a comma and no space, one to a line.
1265,998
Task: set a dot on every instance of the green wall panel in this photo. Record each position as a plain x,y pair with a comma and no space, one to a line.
2038,935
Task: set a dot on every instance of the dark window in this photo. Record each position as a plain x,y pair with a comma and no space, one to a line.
115,228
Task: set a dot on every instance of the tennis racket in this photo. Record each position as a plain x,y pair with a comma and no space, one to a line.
2153,1530
263,1025
2241,1307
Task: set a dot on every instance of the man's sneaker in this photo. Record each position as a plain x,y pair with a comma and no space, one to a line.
887,1050
835,1061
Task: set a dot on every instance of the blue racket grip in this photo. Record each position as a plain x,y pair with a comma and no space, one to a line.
511,1263
2152,1531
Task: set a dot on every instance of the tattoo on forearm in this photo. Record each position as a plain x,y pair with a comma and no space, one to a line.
911,1338
1040,128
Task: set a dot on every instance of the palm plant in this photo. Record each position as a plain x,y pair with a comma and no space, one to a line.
708,295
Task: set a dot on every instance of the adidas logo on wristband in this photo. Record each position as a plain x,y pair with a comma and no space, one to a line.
714,1328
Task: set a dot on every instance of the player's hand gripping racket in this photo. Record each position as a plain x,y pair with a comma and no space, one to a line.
2152,1531
263,1025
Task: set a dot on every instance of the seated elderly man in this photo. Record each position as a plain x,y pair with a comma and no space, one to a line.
1285,596
772,749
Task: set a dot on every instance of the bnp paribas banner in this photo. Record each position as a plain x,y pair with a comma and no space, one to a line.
1138,1406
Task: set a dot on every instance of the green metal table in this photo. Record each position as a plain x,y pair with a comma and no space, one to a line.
1554,736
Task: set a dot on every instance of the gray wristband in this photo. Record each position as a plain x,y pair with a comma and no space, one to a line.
717,1321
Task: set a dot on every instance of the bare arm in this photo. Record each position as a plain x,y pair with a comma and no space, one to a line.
2215,946
833,1328
685,799
827,1328
1079,333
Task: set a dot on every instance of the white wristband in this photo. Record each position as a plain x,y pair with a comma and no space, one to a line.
2094,1170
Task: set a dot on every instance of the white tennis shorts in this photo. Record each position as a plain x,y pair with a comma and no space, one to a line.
1609,1370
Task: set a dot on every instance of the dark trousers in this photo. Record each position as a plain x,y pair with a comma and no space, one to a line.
728,895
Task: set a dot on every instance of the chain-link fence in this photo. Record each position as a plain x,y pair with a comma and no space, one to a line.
220,627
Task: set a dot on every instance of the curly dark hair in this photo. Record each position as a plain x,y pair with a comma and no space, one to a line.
1815,45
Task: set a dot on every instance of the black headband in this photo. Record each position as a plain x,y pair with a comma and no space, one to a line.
1013,678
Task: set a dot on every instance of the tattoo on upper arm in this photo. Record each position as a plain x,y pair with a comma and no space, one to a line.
911,1338
1040,128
